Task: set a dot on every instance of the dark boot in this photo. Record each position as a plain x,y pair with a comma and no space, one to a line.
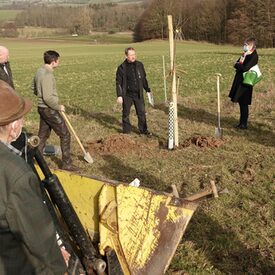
44,129
244,111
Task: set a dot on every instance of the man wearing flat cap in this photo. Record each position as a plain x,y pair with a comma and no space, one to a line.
28,242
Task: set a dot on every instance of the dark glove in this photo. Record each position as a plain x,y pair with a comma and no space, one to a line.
238,66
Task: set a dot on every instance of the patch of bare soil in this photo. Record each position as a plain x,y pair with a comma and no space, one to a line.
126,144
121,144
202,142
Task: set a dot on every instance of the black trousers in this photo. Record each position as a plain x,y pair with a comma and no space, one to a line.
128,101
244,112
51,119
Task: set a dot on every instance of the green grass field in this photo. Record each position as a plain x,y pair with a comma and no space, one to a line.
62,35
233,234
6,15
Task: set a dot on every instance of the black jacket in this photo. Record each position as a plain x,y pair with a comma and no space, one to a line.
239,92
4,76
121,79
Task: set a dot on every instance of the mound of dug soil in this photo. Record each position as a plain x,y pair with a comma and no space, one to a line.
121,144
127,144
202,141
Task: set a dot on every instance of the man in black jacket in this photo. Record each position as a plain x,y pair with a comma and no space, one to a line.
240,92
6,75
130,83
5,70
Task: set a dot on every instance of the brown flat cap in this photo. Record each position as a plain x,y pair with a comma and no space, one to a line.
12,106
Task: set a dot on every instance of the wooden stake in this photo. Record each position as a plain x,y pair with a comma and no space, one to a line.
164,79
171,41
178,86
174,81
175,191
214,189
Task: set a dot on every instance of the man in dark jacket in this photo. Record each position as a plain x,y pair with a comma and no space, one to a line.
130,83
240,92
28,242
6,75
5,70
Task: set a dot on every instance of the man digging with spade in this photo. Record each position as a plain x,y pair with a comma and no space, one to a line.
44,87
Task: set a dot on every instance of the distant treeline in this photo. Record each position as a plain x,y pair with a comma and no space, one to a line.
83,19
218,21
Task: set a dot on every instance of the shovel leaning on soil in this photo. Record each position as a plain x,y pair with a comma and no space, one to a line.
87,156
218,130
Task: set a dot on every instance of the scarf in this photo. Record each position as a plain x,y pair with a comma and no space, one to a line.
245,54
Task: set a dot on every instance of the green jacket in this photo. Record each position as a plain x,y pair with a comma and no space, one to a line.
28,242
44,86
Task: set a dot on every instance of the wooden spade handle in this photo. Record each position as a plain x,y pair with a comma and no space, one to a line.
218,75
73,131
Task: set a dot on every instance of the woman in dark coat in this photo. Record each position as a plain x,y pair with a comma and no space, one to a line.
240,92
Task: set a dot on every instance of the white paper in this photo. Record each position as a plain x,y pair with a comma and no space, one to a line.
135,182
150,99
